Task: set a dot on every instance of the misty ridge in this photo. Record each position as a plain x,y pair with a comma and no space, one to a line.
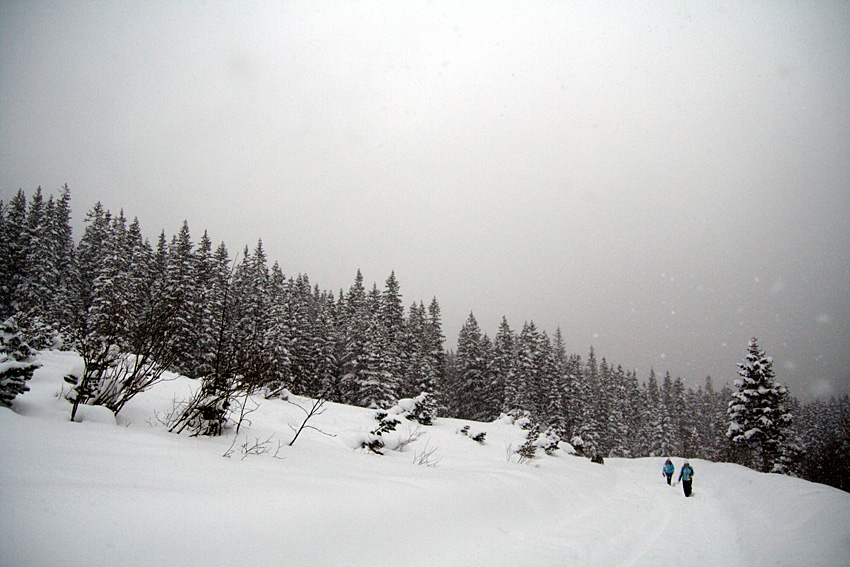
135,311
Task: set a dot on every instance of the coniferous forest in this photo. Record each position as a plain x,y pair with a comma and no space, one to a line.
134,309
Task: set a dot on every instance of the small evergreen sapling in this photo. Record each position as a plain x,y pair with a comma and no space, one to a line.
477,437
386,424
419,409
528,450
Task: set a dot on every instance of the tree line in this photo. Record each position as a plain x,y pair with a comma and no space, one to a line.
134,309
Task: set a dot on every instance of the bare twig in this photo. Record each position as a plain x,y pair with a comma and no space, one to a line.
244,413
230,449
425,458
316,408
256,447
412,435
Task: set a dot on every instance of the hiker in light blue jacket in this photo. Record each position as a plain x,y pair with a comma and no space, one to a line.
686,476
668,470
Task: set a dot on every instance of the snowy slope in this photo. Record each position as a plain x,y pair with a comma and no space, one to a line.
109,493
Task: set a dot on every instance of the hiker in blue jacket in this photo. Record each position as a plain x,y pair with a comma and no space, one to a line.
668,470
687,478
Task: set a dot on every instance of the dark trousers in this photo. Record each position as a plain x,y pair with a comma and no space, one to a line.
669,478
686,485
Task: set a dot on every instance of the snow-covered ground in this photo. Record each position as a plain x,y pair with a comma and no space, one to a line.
126,492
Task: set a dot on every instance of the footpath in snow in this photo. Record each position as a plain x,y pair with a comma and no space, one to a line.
123,491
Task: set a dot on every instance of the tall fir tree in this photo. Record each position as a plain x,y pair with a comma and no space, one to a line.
13,246
471,366
504,364
759,418
182,290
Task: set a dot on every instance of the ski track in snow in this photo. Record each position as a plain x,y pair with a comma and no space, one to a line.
111,492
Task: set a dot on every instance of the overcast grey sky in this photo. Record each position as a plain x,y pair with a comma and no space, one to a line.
660,180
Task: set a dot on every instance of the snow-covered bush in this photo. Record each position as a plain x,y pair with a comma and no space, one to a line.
419,409
521,418
477,437
374,441
16,362
578,444
549,441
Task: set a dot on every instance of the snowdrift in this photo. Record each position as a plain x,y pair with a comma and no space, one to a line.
122,491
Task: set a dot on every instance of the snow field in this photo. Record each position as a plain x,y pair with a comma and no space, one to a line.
123,491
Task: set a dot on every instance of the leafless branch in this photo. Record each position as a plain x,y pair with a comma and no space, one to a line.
425,457
255,447
316,408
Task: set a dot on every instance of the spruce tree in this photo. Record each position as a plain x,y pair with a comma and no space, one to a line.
759,419
203,318
182,290
417,377
65,299
434,341
91,252
471,367
354,322
391,314
504,363
13,245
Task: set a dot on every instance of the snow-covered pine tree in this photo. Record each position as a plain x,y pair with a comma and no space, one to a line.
251,286
353,320
182,290
17,362
528,370
619,439
558,400
376,385
504,364
310,330
65,294
589,428
323,346
471,367
573,404
91,252
33,290
279,335
655,431
391,308
434,340
417,377
825,429
494,387
209,409
548,399
13,250
391,314
206,307
759,419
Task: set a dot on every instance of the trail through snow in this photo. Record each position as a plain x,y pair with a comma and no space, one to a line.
108,492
